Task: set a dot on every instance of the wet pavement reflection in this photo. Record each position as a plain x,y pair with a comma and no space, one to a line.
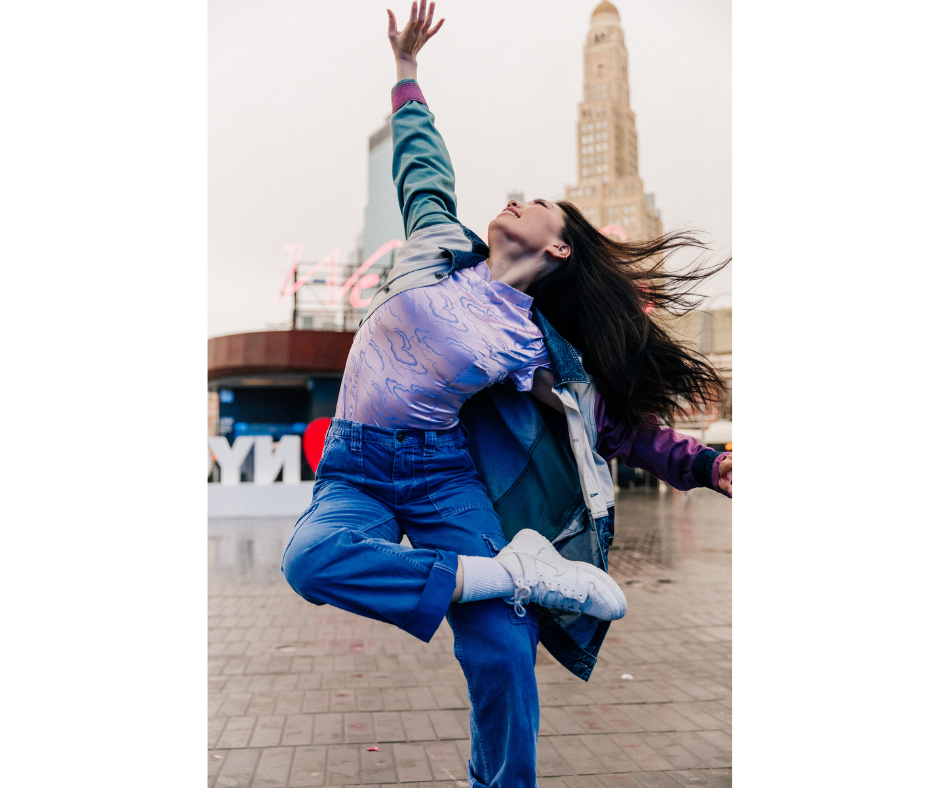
248,551
659,530
654,532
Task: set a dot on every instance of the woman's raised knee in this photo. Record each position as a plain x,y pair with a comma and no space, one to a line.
304,562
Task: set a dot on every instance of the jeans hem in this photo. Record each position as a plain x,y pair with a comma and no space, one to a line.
435,599
474,783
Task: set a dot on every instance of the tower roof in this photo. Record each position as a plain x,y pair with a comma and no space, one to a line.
606,8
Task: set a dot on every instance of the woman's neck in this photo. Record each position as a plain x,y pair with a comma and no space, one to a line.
518,273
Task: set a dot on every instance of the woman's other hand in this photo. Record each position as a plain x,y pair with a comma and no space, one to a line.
408,42
724,475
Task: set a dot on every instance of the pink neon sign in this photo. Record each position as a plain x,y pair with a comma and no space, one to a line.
356,283
613,229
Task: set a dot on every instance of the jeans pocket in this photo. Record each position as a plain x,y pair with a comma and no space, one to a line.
452,483
495,542
340,463
328,447
458,494
468,461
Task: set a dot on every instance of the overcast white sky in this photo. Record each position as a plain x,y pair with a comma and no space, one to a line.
297,86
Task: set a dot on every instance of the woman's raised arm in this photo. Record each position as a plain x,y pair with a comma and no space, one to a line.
421,167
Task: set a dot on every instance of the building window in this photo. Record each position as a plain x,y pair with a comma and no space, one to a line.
585,171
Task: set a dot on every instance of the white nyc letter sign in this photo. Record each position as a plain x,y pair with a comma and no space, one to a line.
270,458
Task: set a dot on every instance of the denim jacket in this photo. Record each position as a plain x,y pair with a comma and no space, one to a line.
541,468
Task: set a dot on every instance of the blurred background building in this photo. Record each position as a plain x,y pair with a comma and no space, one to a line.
383,220
609,190
709,332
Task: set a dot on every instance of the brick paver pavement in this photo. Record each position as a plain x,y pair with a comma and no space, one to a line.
299,693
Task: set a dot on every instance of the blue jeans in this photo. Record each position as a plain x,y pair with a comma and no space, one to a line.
375,485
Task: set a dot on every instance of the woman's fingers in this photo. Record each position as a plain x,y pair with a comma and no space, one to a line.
427,27
417,31
724,472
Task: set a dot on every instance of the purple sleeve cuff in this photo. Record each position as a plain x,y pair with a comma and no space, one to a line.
405,91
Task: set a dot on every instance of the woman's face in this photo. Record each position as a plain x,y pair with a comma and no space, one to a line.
529,227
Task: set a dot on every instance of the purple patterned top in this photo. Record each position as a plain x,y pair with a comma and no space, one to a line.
426,351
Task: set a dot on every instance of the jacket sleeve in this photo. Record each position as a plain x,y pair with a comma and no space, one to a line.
677,459
421,167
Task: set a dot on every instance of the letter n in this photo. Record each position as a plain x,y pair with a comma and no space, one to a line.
270,459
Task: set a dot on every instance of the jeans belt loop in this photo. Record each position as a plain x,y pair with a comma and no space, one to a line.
356,442
430,441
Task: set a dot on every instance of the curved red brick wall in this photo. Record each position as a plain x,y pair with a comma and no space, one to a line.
266,352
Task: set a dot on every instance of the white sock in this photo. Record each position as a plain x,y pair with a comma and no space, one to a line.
484,578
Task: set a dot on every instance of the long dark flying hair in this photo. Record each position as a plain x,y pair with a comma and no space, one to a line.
608,300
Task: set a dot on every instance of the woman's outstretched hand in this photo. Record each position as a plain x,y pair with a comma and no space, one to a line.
408,42
724,475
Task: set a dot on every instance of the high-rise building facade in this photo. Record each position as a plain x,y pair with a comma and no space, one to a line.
383,220
609,190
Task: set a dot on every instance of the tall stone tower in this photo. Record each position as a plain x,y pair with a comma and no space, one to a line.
609,190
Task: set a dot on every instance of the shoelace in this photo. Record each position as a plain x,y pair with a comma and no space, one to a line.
521,596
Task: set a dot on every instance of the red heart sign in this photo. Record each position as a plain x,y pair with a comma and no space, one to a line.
314,438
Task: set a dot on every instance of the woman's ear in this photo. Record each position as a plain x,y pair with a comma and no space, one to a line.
560,251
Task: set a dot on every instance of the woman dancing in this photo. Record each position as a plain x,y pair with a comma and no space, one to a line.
453,320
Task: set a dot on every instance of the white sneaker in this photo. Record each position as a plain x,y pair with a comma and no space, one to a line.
541,575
